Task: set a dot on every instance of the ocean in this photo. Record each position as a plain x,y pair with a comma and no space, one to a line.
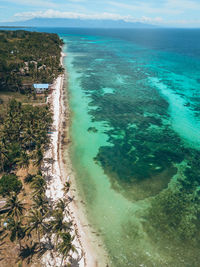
135,139
134,97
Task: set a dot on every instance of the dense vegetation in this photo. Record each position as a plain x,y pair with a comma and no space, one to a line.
9,184
28,57
28,218
23,135
23,140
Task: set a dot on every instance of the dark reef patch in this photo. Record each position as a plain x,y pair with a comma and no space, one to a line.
143,147
92,129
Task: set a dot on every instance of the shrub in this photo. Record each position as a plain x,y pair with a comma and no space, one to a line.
9,183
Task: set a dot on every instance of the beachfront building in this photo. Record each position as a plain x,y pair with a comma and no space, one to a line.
41,88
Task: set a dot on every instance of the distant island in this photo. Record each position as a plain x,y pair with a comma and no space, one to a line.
77,23
13,27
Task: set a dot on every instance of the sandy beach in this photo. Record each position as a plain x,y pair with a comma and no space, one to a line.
57,166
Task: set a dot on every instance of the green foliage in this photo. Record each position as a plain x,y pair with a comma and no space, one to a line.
23,136
27,57
40,203
38,184
65,246
9,183
16,207
17,230
29,178
61,205
58,224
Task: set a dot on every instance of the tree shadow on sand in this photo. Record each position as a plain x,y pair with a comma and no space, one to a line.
28,252
74,262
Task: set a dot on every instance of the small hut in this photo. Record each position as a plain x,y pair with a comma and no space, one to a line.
41,88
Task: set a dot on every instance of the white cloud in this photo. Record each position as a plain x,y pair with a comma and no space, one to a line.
50,13
74,15
156,20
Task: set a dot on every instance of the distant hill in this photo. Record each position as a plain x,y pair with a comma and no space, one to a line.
76,23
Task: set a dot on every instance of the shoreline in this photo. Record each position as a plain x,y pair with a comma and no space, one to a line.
92,246
52,170
89,248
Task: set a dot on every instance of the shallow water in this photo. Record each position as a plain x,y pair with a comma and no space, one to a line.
134,98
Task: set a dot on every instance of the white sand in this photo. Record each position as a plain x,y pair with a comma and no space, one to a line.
54,190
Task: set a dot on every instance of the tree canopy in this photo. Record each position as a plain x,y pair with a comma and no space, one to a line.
28,57
9,183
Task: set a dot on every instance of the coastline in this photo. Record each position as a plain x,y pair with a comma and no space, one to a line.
92,247
51,169
90,252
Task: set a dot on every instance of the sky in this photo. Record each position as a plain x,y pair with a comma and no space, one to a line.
178,13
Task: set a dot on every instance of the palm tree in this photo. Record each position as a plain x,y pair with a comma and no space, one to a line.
13,152
3,155
39,156
28,135
66,187
39,184
58,224
36,221
61,205
65,246
40,203
13,121
16,207
17,230
23,160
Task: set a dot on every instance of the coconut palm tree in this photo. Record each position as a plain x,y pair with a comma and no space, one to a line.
40,203
66,187
17,230
39,156
36,222
39,184
61,205
3,155
58,224
16,207
23,160
28,135
65,246
10,154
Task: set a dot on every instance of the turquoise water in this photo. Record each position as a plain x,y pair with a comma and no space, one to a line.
134,100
